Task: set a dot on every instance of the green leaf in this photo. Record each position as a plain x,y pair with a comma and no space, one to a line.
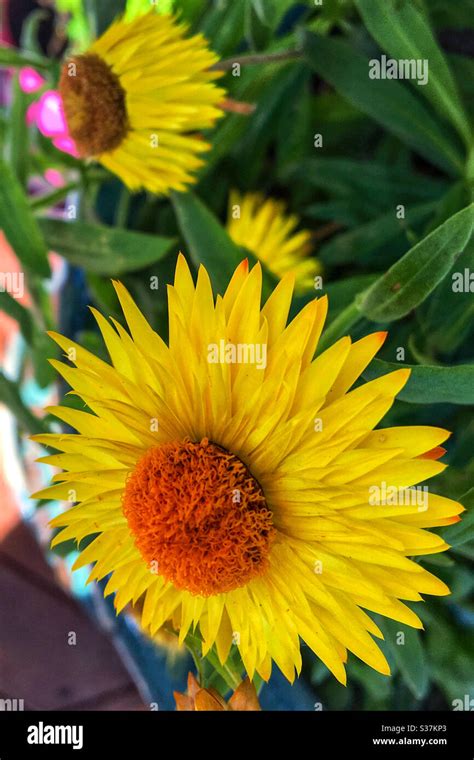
209,244
434,385
457,197
48,200
45,374
13,308
265,10
191,10
19,225
35,337
408,282
370,187
387,101
343,291
358,244
101,15
10,396
340,326
409,655
451,651
259,20
30,31
259,85
403,32
223,25
104,250
442,336
13,57
463,531
262,127
16,143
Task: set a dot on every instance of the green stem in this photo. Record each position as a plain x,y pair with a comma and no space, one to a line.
196,655
256,58
123,208
51,199
232,679
340,326
258,682
193,643
10,57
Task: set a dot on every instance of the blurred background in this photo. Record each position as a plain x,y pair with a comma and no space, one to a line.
370,171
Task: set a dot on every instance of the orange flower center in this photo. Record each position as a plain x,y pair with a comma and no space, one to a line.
94,104
197,512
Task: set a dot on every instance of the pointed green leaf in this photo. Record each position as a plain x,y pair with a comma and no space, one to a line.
10,396
208,242
104,250
403,32
409,654
13,308
411,279
463,531
19,224
434,385
368,240
387,101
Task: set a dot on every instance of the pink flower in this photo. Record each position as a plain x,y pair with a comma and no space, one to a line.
54,178
32,113
66,144
50,120
48,113
30,80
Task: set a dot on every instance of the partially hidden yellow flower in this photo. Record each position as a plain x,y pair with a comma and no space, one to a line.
265,228
199,699
136,98
229,476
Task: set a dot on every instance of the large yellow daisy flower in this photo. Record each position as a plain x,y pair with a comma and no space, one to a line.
237,495
133,100
265,228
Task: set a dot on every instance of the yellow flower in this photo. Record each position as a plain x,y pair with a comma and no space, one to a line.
135,98
264,227
238,497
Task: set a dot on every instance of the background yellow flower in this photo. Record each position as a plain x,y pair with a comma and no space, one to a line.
264,226
137,98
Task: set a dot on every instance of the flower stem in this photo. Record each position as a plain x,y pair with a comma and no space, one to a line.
51,199
256,58
196,655
339,326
